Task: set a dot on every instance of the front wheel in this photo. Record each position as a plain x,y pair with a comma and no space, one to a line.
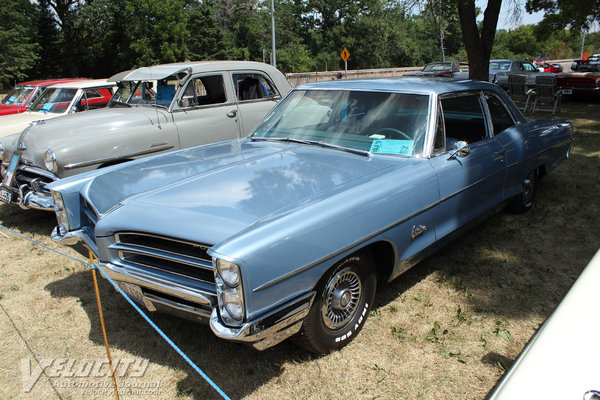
524,200
344,300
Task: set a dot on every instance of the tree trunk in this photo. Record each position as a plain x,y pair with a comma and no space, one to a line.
478,47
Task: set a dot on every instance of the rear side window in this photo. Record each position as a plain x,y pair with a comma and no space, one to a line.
501,118
253,86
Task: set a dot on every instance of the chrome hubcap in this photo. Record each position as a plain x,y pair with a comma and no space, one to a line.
341,298
528,185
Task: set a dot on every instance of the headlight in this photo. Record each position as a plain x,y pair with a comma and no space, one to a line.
229,272
61,213
230,293
233,304
50,161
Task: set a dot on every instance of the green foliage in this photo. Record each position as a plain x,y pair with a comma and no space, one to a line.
47,39
18,47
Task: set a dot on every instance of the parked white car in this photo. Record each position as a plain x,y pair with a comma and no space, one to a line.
562,360
58,100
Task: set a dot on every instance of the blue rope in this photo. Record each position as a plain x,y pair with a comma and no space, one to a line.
152,324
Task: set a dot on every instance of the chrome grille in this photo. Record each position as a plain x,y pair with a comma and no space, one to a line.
173,256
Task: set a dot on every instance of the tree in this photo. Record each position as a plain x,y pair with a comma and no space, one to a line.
560,14
18,47
478,42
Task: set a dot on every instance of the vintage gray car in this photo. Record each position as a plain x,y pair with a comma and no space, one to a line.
501,69
155,109
287,231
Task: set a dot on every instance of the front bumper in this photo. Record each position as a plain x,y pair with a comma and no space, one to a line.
28,189
158,293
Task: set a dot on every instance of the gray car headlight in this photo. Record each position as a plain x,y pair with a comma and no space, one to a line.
230,293
50,161
61,212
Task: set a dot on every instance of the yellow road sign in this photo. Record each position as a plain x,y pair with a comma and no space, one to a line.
345,54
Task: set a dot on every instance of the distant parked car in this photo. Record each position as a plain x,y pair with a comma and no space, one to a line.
60,99
561,360
501,69
445,69
579,83
25,93
287,231
552,68
592,64
155,109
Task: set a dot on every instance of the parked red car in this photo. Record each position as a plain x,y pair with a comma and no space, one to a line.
579,83
24,93
553,68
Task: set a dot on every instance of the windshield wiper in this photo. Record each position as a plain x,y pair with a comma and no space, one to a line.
315,143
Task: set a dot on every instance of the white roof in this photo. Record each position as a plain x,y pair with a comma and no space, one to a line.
84,84
158,72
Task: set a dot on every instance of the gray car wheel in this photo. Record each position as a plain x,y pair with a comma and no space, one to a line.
344,300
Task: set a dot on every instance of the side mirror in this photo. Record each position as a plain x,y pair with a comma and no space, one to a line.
461,149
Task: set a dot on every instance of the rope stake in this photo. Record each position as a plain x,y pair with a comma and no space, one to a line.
112,371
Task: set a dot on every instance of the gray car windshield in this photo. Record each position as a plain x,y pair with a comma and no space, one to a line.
149,92
377,122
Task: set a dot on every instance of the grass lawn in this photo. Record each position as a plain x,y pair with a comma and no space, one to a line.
447,329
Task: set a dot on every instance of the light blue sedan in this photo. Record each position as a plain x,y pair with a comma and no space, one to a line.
286,232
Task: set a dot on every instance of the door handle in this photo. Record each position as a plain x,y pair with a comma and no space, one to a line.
500,153
232,114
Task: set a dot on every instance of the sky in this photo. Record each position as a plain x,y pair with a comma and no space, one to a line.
504,21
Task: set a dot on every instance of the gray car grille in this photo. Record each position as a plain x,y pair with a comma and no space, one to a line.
164,254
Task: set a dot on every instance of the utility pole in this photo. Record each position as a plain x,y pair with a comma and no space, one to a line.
274,58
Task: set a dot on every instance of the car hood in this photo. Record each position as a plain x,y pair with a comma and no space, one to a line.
209,193
61,134
15,123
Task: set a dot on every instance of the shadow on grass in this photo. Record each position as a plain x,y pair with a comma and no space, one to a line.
27,221
236,368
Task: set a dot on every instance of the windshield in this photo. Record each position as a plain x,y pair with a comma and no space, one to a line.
145,92
438,67
54,100
19,95
499,65
377,122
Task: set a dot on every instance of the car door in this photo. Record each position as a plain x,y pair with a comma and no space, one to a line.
256,94
472,184
206,111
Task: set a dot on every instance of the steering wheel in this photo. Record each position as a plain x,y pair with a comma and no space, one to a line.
392,133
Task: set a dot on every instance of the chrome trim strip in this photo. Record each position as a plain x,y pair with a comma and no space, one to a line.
178,258
165,271
128,246
178,306
115,158
131,275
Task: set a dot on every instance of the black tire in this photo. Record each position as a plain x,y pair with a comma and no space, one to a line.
342,304
524,200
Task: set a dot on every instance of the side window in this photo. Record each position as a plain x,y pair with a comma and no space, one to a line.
203,90
253,86
463,119
92,94
501,118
